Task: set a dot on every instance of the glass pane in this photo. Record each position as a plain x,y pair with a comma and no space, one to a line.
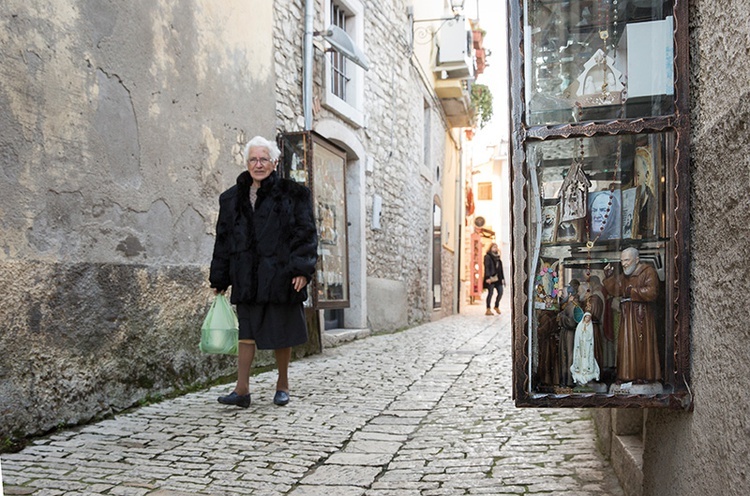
597,59
598,250
293,157
309,160
330,210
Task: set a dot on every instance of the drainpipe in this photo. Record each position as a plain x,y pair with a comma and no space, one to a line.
307,68
459,219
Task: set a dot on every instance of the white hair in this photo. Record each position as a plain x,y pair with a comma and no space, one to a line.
261,142
632,251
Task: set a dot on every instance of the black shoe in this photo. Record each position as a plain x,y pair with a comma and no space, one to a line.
233,398
281,398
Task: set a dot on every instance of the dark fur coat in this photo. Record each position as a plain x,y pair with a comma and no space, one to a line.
259,250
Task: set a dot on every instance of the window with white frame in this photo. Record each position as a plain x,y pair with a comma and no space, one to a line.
339,78
344,80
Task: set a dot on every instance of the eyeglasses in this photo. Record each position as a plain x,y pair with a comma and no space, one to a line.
261,161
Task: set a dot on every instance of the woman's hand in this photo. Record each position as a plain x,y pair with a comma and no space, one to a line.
299,282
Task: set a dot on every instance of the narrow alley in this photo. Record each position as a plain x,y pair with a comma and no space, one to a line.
422,412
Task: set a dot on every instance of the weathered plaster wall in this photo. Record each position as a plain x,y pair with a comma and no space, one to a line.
120,123
707,451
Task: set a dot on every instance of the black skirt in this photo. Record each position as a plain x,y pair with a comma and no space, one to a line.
272,325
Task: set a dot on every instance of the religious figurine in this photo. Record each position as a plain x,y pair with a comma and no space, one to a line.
604,344
548,334
638,289
546,287
585,368
567,320
574,193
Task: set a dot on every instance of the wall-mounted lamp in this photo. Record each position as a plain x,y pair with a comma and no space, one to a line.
457,7
343,43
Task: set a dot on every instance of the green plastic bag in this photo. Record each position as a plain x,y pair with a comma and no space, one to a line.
220,328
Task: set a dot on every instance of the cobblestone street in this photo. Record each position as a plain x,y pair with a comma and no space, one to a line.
426,412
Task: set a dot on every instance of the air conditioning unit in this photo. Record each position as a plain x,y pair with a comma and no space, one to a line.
454,43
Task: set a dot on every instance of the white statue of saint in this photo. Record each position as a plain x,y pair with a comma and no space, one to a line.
584,368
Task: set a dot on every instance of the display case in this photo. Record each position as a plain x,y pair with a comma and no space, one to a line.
310,159
600,200
598,59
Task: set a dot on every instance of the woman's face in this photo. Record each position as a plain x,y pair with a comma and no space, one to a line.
259,163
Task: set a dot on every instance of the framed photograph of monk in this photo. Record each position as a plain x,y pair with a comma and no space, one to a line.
569,232
549,223
629,213
644,179
604,214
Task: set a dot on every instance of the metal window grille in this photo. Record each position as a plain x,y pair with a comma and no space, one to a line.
339,79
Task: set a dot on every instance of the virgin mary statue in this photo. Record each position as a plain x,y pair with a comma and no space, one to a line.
584,368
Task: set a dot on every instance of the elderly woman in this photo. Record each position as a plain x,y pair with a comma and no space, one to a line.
266,249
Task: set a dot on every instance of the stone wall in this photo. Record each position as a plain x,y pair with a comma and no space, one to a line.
120,124
289,29
706,451
399,251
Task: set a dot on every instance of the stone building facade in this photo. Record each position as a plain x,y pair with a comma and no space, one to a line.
120,124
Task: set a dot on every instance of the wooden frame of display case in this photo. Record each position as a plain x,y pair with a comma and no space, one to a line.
310,159
671,127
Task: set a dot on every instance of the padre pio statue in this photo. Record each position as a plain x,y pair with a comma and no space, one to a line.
638,289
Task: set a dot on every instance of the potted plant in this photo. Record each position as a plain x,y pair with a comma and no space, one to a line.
481,101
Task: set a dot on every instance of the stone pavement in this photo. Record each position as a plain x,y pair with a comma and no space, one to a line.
424,412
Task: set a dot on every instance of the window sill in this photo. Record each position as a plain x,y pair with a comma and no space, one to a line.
350,114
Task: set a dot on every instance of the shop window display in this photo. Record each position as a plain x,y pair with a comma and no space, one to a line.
600,201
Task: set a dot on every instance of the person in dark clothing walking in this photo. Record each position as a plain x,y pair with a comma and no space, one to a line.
493,277
266,250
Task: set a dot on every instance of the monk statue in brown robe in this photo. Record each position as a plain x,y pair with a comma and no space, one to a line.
638,289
